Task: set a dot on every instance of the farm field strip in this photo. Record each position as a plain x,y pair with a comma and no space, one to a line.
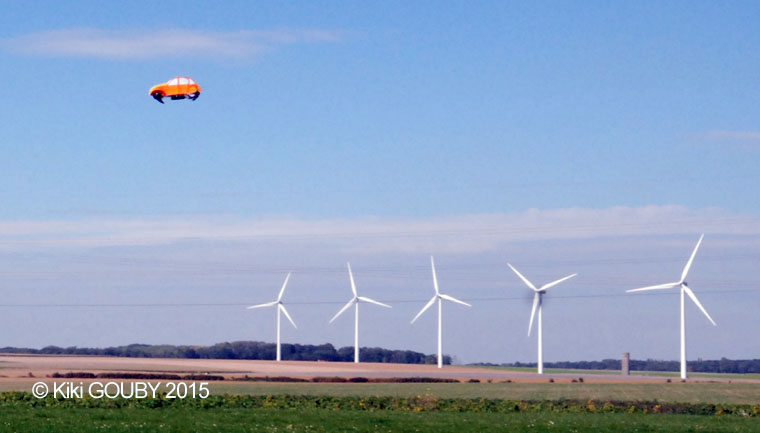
673,392
581,372
61,420
41,366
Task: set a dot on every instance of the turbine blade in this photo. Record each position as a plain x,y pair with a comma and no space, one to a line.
691,259
372,301
282,307
432,300
453,299
696,301
554,283
268,304
345,307
279,297
351,276
435,280
533,312
523,278
657,287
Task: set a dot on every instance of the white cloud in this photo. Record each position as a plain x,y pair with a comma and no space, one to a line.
457,234
142,45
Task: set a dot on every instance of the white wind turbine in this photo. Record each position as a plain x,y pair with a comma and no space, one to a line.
538,295
280,307
355,302
684,289
438,297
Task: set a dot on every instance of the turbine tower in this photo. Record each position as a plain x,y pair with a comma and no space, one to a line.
355,302
280,307
538,295
438,297
684,289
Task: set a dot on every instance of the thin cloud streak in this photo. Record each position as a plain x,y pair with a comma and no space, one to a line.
172,43
458,234
722,135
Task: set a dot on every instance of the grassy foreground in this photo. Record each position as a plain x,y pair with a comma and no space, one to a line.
733,393
62,420
21,412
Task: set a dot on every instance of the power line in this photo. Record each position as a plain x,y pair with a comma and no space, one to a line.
216,267
389,301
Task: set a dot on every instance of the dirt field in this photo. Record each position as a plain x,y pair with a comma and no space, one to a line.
38,366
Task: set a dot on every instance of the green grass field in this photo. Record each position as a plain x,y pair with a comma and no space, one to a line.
60,420
24,416
734,393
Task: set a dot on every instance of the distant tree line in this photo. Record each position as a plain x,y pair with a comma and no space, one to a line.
738,366
243,350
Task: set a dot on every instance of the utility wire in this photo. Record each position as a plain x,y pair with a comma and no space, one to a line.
389,301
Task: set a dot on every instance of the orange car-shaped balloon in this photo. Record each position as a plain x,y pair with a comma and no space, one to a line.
176,88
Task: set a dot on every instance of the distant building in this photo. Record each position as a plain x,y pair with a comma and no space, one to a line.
625,364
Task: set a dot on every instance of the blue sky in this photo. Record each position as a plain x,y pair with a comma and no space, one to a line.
547,132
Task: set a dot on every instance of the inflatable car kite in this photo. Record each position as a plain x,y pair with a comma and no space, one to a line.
176,88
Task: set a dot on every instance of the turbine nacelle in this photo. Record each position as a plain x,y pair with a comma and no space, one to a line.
356,299
438,295
539,292
278,303
682,284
